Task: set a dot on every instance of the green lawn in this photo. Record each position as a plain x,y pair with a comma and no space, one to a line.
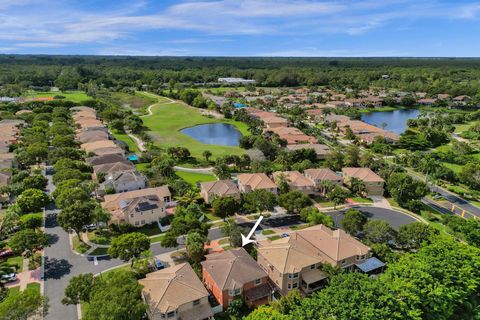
141,166
168,119
153,97
34,286
267,232
192,177
79,246
75,96
136,101
16,262
132,146
380,109
362,200
157,238
462,127
99,251
13,290
455,167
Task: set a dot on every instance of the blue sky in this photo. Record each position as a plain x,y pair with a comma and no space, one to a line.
241,27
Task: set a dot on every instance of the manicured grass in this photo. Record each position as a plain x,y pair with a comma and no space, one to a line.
326,203
168,119
299,226
84,307
273,238
267,232
16,262
154,98
99,251
455,167
100,237
132,146
136,101
141,166
13,290
362,200
192,177
34,286
222,90
381,109
75,96
157,238
79,246
149,230
462,127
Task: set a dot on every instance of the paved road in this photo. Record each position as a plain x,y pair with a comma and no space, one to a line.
456,200
61,264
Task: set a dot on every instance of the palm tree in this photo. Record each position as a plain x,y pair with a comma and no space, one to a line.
207,154
357,186
189,197
326,186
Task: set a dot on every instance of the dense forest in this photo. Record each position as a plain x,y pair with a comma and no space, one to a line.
435,75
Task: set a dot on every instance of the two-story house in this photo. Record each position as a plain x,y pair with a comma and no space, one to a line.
373,182
248,182
320,175
234,273
217,189
138,207
295,262
123,181
175,293
296,181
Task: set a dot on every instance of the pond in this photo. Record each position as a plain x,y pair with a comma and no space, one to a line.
222,134
396,121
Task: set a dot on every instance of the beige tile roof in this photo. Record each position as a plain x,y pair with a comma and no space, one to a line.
295,178
112,201
323,174
109,158
320,149
92,146
92,136
285,130
110,168
5,177
108,151
274,119
256,181
220,188
232,269
364,174
166,290
308,246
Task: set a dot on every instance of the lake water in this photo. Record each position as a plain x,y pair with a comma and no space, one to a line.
396,120
222,134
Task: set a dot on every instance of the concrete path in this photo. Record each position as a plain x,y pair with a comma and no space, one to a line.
380,202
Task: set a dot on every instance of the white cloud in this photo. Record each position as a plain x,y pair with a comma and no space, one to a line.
34,23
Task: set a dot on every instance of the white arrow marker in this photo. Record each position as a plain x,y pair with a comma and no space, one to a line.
246,240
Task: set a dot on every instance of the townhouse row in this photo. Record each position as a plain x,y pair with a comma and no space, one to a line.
293,262
312,181
124,191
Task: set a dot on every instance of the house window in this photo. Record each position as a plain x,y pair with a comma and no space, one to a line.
143,221
293,275
171,314
196,302
258,281
234,292
289,286
295,285
312,266
131,216
343,262
136,223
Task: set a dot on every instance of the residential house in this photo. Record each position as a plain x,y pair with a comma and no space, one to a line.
92,146
92,136
443,96
295,262
296,181
109,151
248,182
321,150
175,293
426,101
318,176
111,168
275,122
109,158
336,118
373,182
138,207
217,189
5,178
234,273
123,181
7,160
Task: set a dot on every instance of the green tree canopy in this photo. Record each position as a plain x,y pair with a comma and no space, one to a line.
129,246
